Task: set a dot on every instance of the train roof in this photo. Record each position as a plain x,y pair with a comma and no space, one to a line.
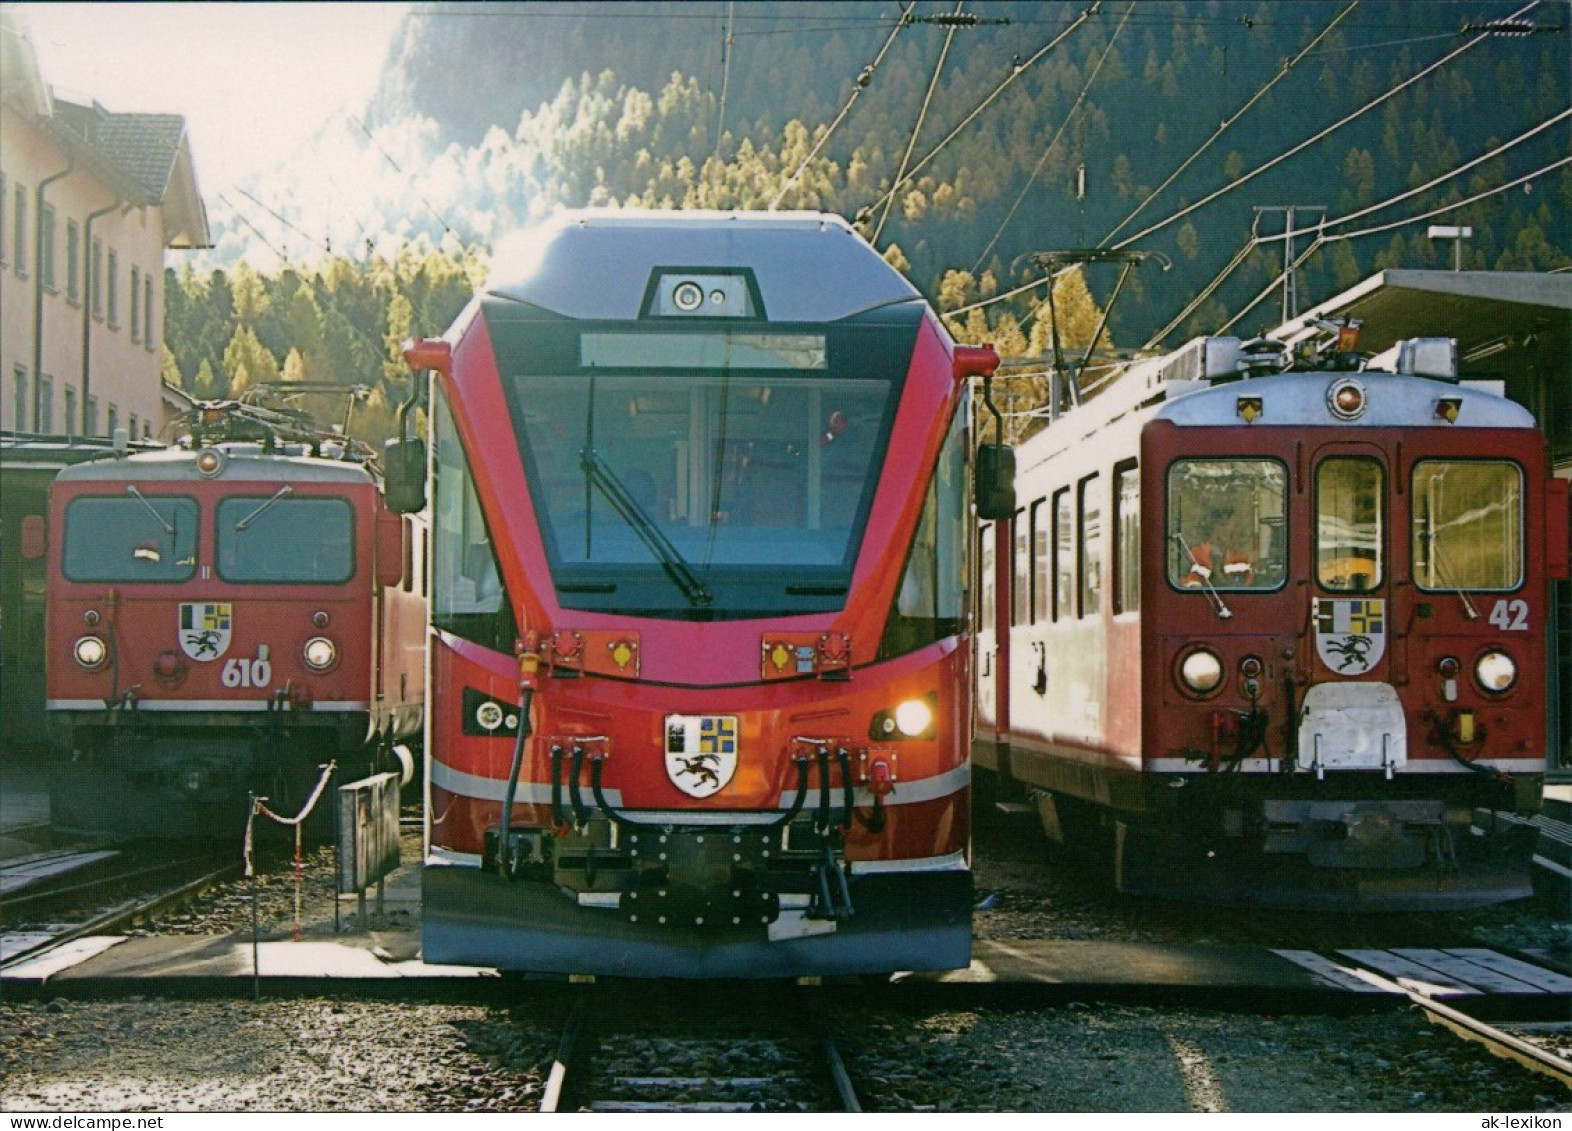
602,263
243,463
1302,399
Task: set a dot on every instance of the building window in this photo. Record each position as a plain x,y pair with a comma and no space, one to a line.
46,246
69,398
112,301
114,421
136,304
19,232
46,404
131,427
147,310
97,281
73,262
20,403
90,425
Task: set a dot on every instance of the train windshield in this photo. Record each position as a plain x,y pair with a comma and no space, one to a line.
706,474
130,537
1227,525
1468,525
269,539
1350,494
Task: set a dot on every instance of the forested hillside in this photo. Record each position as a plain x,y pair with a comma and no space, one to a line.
1179,128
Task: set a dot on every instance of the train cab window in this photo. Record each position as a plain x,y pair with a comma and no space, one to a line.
931,599
1063,554
1468,525
1350,496
1127,538
1227,524
131,537
276,539
467,598
1089,503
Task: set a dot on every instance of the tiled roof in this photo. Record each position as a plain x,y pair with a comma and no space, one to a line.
141,148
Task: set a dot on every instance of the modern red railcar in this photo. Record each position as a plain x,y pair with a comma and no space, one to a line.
699,673
1280,640
223,619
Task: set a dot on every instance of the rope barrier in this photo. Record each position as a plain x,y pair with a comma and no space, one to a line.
298,821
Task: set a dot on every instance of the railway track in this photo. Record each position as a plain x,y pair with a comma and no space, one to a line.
704,1049
59,905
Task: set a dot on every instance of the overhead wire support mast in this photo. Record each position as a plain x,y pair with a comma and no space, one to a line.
1050,263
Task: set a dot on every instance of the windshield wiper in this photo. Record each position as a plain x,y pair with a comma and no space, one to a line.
639,520
169,527
264,508
1438,562
1205,574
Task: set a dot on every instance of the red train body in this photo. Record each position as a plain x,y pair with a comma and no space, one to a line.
1280,641
222,622
700,522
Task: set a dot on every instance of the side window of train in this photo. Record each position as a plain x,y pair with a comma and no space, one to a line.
1350,534
466,587
1468,525
1020,572
1063,555
1227,524
1127,538
1090,506
1039,522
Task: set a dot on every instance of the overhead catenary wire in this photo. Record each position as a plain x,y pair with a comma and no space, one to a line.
1262,168
446,227
1282,72
858,86
1321,239
1069,115
1321,228
922,115
1015,73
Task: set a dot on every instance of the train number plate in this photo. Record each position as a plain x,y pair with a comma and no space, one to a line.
701,752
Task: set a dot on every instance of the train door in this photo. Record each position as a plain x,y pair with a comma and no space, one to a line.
985,641
1351,717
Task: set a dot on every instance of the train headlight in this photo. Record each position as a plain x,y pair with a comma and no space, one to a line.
90,652
1201,671
1346,399
1495,672
911,718
320,653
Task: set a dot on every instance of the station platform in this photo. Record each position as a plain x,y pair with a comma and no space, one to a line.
1014,973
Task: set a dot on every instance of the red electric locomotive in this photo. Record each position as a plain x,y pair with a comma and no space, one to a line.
699,665
225,617
1279,640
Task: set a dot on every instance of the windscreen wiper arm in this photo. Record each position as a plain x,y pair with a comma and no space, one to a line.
168,526
670,559
264,508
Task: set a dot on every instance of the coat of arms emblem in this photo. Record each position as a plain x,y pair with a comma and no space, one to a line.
701,752
1350,633
205,628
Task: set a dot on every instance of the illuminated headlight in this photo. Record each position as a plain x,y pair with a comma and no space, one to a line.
90,652
1495,671
911,718
1201,671
320,653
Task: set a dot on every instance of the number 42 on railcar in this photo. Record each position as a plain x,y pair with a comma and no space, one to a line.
1276,640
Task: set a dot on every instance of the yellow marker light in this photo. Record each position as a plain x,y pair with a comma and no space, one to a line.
1249,408
1447,408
